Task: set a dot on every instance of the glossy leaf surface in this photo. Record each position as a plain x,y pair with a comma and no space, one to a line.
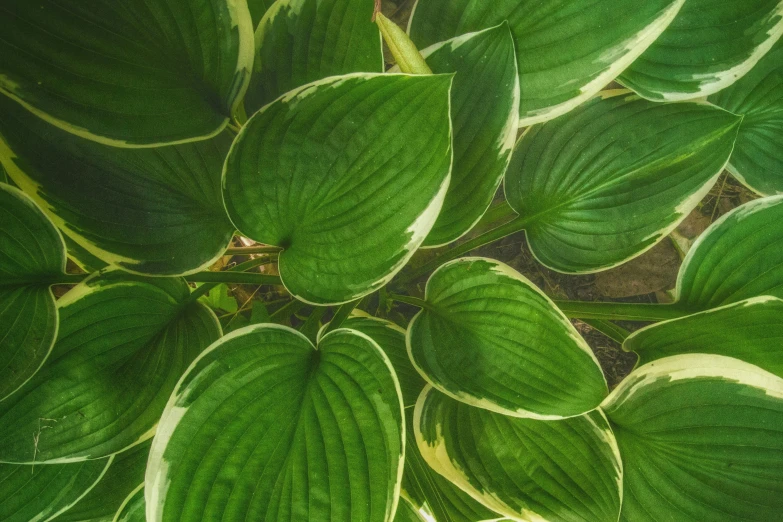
750,330
566,50
301,41
484,107
157,211
757,160
490,338
739,257
701,438
347,175
39,492
527,469
707,47
124,476
31,253
121,347
264,426
141,74
604,183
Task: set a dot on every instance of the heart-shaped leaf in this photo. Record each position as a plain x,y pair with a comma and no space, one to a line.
707,47
750,330
485,84
488,337
446,501
264,426
701,438
124,477
156,211
347,175
523,468
301,41
32,255
31,492
566,50
136,74
757,160
122,345
738,257
604,183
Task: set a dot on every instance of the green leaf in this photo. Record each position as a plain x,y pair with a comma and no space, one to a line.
138,74
257,9
484,105
488,337
606,182
32,253
82,257
566,50
218,299
156,211
301,41
750,330
523,468
134,508
757,160
701,438
707,47
347,175
406,512
264,426
124,476
738,257
122,345
36,492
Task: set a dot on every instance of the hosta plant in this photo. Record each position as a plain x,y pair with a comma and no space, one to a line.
162,159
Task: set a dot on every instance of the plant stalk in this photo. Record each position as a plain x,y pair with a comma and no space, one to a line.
235,278
623,311
243,251
609,329
341,315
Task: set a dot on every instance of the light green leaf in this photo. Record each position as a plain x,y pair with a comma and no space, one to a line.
122,345
264,426
447,502
123,477
39,492
134,508
32,254
406,512
738,257
484,108
301,41
218,299
566,50
707,47
701,438
488,337
750,330
757,160
156,211
609,180
347,175
136,74
527,469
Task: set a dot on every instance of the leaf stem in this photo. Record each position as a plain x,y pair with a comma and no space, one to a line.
341,315
415,301
235,278
286,311
243,251
623,311
609,329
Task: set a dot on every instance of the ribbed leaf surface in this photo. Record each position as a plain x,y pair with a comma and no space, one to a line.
484,107
156,211
264,426
31,254
567,470
347,175
750,330
490,338
604,183
30,492
757,160
739,257
134,73
567,50
701,438
301,41
708,46
121,348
